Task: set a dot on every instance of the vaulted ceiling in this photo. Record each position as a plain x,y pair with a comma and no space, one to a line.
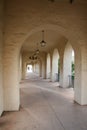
52,38
23,16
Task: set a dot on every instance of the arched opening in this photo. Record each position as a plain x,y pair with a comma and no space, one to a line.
55,66
68,66
14,63
29,68
22,20
48,71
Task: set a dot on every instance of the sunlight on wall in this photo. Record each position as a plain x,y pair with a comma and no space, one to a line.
29,69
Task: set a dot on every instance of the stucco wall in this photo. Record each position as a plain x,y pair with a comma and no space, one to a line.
1,69
48,66
67,61
55,65
37,68
21,19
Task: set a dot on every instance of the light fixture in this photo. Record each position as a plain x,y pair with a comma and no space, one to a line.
33,57
51,0
43,43
71,1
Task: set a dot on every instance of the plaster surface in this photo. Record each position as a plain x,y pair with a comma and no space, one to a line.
45,106
24,20
1,62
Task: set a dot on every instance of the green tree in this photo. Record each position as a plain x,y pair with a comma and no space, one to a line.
73,70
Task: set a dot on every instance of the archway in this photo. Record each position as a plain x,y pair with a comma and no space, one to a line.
29,68
11,83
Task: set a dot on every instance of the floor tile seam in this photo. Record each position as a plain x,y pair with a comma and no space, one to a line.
53,110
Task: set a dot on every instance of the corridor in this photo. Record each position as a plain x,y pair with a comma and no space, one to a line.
45,106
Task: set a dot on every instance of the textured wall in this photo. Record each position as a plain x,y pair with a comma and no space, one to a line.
55,65
1,69
22,18
48,66
67,65
37,68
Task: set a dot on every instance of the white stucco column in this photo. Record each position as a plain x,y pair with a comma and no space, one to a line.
1,63
33,67
1,77
44,66
61,71
37,68
23,69
40,71
81,75
43,70
67,60
54,66
20,67
48,66
11,79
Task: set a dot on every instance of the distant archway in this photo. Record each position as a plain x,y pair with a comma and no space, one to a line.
29,68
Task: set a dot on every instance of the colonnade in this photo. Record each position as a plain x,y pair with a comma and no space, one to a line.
19,22
48,68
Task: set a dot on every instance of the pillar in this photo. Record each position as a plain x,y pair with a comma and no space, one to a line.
1,49
67,60
48,66
23,69
40,67
11,79
33,67
37,68
61,71
81,75
20,67
44,66
54,65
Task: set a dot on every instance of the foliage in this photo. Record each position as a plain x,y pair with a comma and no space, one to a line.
73,70
58,65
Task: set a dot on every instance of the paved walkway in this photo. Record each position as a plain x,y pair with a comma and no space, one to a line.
45,106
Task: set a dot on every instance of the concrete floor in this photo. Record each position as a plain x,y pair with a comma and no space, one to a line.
45,106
